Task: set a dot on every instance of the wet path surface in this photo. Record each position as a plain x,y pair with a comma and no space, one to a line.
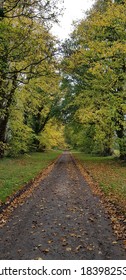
61,220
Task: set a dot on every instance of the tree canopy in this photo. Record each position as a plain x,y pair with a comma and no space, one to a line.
81,96
28,70
94,68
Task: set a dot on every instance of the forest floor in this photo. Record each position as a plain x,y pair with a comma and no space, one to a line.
59,217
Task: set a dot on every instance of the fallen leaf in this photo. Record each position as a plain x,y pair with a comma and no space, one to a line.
90,248
78,247
114,242
100,253
33,226
19,251
68,249
45,251
91,219
50,241
40,245
73,235
67,216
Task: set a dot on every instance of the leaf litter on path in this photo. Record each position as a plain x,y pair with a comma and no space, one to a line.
78,228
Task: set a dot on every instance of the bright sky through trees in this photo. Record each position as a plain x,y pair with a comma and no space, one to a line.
73,10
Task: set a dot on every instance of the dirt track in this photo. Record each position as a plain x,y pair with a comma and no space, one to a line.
61,220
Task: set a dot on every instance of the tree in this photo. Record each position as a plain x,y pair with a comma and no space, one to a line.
25,46
45,11
52,135
96,70
41,98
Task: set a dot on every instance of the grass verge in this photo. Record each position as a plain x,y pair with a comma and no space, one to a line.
14,173
109,173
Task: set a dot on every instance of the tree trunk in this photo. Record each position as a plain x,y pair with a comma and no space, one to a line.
3,125
107,152
121,135
5,116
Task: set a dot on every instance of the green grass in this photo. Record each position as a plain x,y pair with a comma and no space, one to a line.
14,173
109,172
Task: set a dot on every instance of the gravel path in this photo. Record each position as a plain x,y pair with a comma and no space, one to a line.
61,220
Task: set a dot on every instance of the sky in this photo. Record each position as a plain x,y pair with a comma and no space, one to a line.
74,10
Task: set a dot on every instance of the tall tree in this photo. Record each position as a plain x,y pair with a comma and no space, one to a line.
96,69
25,46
